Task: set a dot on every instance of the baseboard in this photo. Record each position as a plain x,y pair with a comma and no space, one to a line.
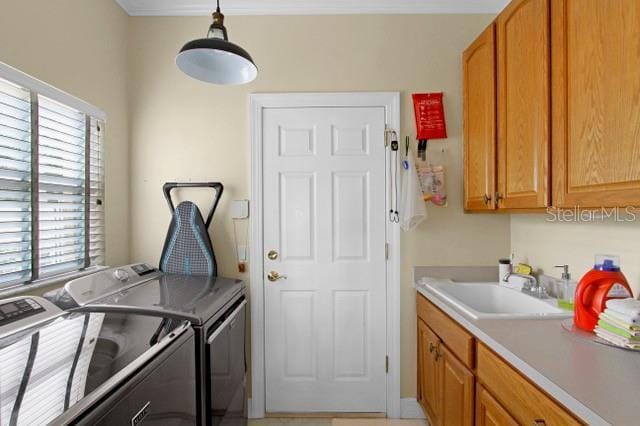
251,411
410,409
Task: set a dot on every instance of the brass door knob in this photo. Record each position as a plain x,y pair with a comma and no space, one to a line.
275,276
272,255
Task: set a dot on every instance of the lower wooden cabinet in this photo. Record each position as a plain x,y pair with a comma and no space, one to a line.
457,390
525,402
462,382
445,385
489,412
429,375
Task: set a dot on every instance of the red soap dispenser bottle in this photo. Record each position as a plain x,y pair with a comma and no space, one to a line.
605,281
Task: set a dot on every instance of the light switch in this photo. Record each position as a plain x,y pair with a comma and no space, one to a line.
240,209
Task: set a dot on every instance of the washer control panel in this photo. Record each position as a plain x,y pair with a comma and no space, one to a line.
18,309
142,269
92,287
18,313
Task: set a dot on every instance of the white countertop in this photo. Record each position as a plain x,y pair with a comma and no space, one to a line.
598,383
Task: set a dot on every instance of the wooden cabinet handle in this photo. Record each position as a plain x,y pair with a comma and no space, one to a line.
438,355
434,350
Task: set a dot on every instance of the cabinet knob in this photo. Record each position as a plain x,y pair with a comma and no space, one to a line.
432,347
486,198
539,422
499,197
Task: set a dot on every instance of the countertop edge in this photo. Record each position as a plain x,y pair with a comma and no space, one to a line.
576,407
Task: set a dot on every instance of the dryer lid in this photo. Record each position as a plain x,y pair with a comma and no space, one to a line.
193,298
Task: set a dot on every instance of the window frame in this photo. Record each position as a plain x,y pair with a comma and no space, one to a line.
37,89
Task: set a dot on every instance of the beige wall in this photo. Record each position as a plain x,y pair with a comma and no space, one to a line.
182,129
543,244
79,46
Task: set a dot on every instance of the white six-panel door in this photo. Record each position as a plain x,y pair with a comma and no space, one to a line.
325,218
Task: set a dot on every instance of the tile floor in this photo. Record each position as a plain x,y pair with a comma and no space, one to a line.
335,422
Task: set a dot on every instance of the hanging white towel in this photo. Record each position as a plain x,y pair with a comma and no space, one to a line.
413,209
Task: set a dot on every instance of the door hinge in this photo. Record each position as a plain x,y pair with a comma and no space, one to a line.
386,251
386,364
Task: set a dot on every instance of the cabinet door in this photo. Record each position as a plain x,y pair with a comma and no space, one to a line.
479,75
596,107
524,104
524,401
489,411
429,372
457,390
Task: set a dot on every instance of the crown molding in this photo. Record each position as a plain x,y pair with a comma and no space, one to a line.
308,7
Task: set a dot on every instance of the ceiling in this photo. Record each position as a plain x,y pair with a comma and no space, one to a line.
307,7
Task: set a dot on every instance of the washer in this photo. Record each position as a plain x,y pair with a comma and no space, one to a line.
214,306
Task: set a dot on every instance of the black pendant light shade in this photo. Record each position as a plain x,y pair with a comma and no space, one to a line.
215,59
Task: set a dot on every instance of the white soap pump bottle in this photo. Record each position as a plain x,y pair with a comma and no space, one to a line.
566,289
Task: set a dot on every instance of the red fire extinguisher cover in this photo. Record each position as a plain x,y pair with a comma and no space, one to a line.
429,111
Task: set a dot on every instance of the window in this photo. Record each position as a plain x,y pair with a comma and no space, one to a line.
51,181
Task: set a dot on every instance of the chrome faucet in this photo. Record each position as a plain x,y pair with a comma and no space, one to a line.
532,287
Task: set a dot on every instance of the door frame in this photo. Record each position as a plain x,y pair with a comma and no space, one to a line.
257,103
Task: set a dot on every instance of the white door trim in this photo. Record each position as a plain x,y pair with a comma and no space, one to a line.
257,102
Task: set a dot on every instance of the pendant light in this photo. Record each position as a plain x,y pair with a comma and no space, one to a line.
215,59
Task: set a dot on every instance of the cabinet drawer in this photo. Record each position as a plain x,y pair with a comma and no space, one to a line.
524,401
453,335
489,411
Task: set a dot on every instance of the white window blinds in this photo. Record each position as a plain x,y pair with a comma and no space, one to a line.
15,183
61,188
51,187
96,237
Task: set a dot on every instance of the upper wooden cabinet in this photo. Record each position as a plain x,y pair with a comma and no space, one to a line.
479,74
596,102
523,105
568,109
506,73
